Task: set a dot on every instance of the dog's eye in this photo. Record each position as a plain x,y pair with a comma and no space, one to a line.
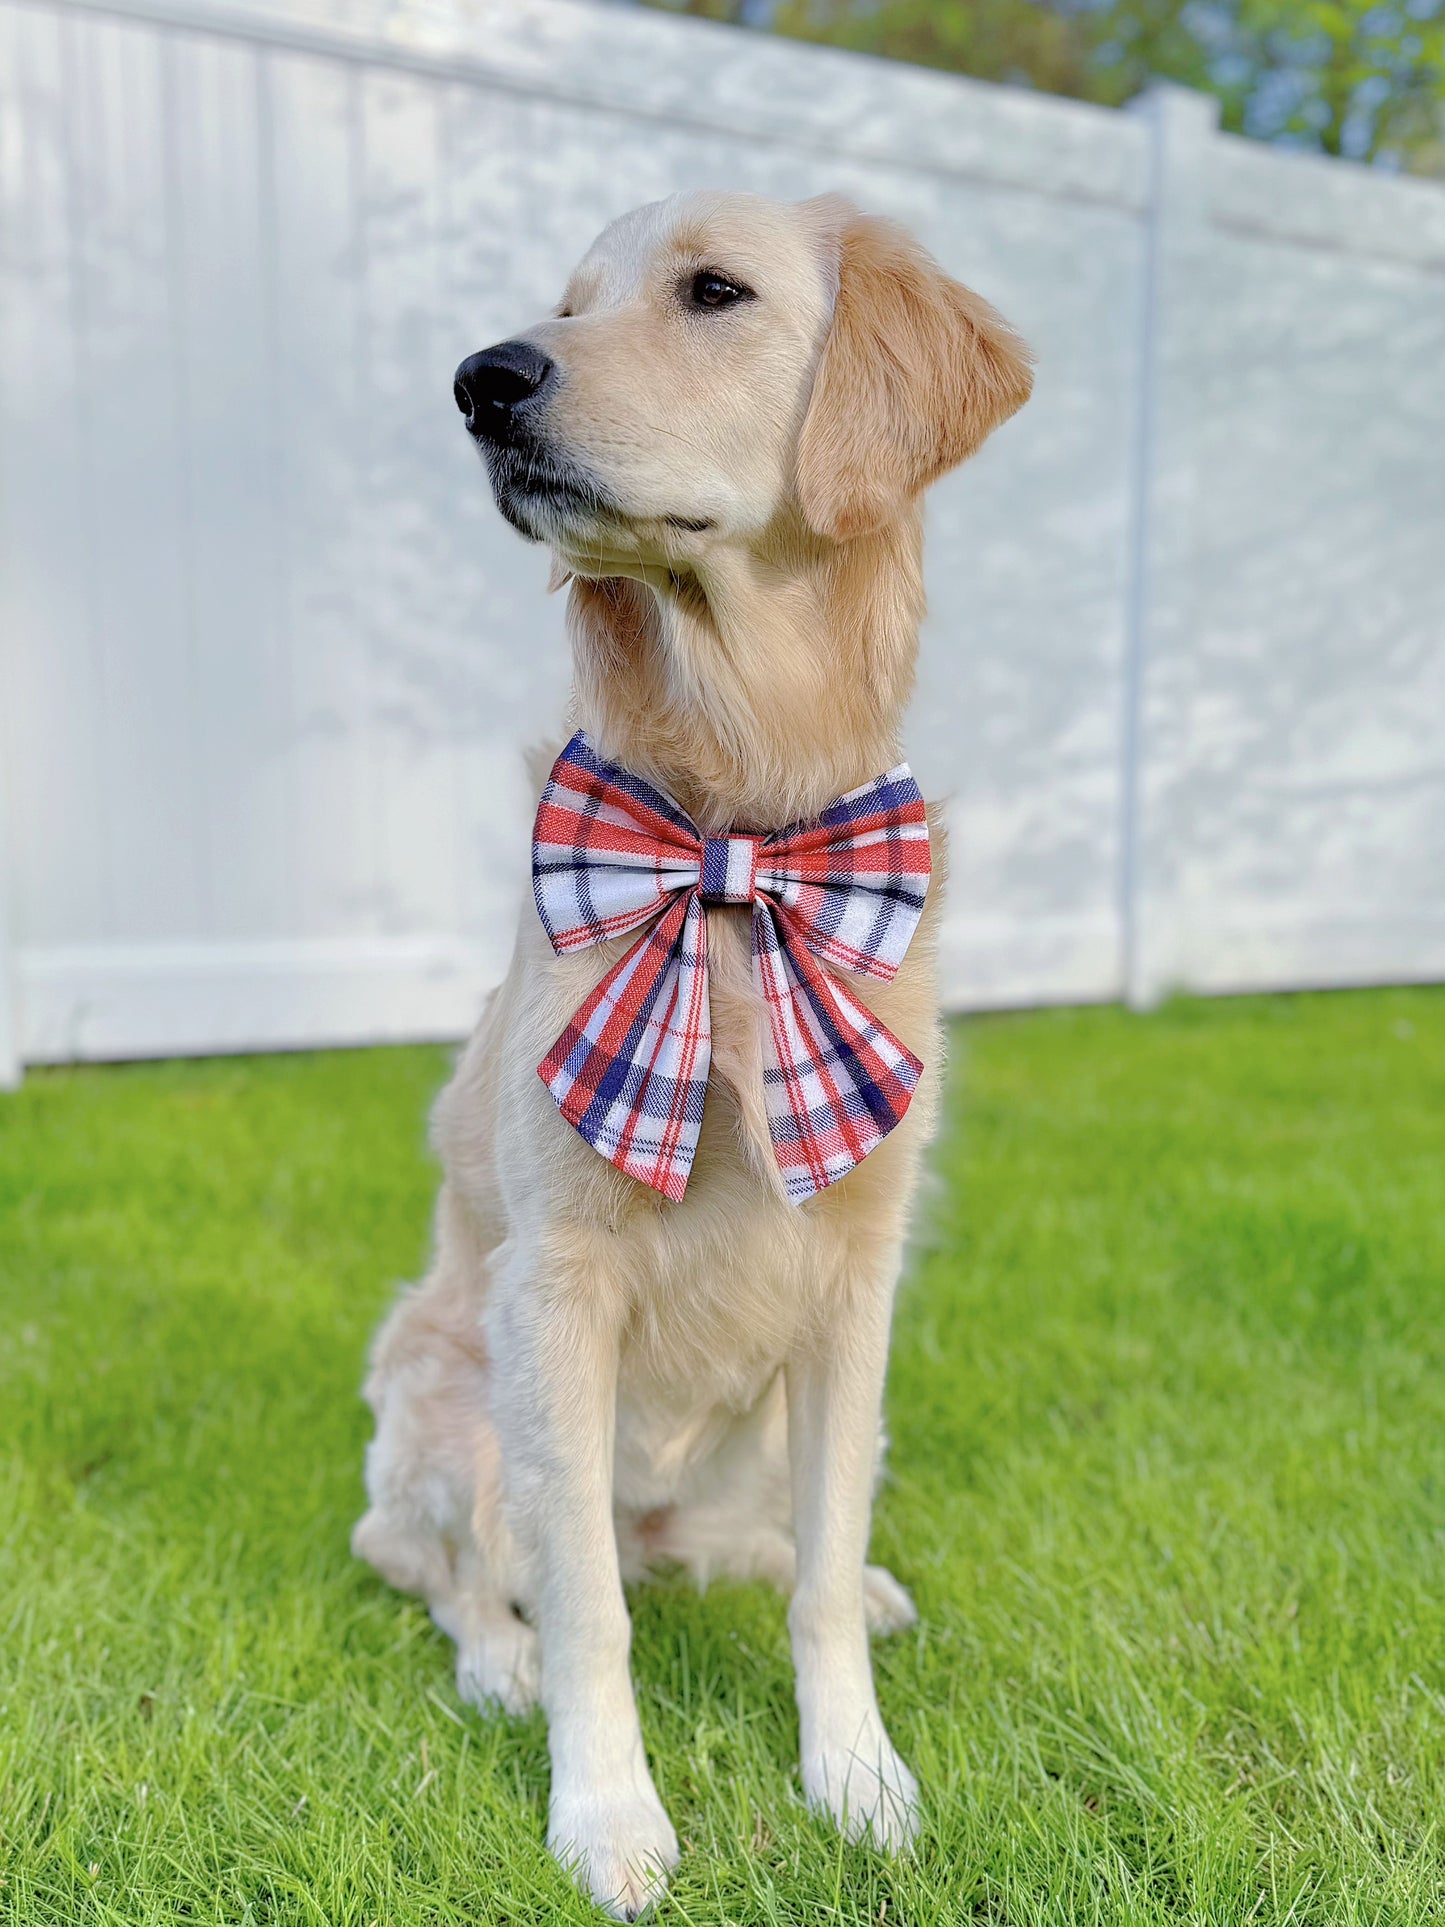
710,290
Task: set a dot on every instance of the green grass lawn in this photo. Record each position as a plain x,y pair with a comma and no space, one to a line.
1168,1481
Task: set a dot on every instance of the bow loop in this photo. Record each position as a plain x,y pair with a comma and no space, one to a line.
611,853
608,850
856,880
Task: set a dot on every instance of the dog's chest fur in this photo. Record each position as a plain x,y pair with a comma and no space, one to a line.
719,1288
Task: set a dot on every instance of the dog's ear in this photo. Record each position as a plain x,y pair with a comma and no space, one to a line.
916,371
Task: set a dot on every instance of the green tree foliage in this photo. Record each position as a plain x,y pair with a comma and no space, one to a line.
1363,78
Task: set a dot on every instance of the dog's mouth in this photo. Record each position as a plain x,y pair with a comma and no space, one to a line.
545,496
553,499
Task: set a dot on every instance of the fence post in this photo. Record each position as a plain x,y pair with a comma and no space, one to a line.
1161,591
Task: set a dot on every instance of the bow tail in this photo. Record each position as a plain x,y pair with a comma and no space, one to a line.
630,1070
837,1081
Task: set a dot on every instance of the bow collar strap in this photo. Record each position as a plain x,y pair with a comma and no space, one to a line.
611,854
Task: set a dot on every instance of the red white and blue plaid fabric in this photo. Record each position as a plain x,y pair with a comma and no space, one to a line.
611,854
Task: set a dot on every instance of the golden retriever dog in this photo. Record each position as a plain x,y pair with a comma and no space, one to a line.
722,434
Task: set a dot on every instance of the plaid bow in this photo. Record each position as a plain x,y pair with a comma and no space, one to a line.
610,854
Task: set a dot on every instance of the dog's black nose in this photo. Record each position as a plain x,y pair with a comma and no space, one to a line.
489,386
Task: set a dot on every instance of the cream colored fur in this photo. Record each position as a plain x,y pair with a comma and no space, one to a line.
592,1381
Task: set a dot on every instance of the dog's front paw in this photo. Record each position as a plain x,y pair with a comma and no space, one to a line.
867,1789
618,1848
500,1665
888,1607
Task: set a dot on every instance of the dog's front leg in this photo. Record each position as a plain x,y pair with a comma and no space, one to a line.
835,1392
554,1342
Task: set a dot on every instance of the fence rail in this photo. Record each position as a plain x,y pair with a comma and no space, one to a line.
269,656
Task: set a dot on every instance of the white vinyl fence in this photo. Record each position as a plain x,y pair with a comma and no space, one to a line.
269,655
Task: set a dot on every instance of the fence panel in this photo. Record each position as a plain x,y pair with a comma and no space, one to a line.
269,656
1297,763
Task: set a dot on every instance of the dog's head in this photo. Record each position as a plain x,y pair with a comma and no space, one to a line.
720,362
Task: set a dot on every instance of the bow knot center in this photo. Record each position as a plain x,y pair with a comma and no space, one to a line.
728,864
